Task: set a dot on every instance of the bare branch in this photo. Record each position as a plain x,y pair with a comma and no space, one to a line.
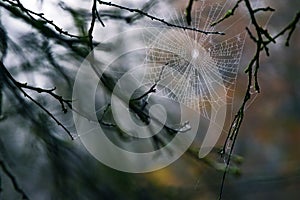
135,16
42,20
228,14
46,31
158,19
252,71
188,12
292,27
61,100
13,180
95,15
20,86
264,9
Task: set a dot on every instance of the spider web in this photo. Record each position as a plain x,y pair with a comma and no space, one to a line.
195,69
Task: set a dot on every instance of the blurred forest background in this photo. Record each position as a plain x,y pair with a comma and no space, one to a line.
39,159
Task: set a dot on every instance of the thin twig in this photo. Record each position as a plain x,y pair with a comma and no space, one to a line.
158,19
188,12
42,19
61,100
13,180
20,86
228,14
95,15
91,29
264,9
46,31
252,71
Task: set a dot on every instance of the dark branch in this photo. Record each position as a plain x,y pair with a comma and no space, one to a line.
264,9
228,14
151,90
158,19
20,86
42,19
95,15
46,31
13,180
262,40
132,18
188,12
292,27
61,100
